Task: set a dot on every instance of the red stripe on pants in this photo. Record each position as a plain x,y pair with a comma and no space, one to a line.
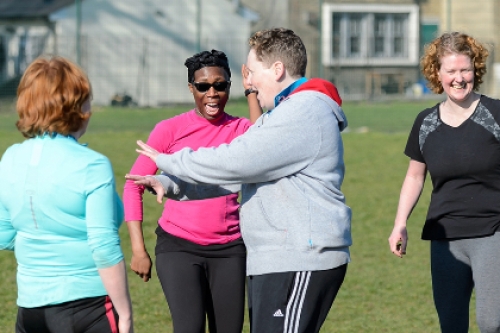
111,316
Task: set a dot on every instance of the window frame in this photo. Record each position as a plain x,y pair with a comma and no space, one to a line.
367,55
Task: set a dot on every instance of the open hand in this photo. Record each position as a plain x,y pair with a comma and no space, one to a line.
151,183
147,151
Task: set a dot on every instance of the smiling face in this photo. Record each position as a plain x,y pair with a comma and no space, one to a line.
210,103
263,79
457,76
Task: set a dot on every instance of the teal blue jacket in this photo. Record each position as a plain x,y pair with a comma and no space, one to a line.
60,213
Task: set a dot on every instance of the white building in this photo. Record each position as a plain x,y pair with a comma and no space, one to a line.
133,47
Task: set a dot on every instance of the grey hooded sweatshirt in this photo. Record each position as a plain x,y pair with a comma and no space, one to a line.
289,167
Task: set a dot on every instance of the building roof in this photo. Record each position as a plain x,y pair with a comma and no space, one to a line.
16,9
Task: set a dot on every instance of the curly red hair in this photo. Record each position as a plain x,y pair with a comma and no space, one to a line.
50,97
453,43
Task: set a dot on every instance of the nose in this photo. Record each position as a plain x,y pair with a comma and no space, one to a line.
459,77
212,91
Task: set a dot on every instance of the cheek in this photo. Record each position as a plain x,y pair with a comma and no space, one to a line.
198,99
259,79
444,78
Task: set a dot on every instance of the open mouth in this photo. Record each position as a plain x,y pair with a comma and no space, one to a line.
459,86
212,108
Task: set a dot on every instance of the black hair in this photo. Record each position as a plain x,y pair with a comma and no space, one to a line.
206,59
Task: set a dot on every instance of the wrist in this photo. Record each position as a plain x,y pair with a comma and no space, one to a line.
249,91
140,252
400,224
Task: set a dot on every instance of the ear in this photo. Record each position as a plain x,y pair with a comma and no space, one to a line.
279,70
191,88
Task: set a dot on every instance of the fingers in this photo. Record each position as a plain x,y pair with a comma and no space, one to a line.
158,188
145,153
398,248
144,146
141,265
145,277
147,150
139,180
395,245
151,184
402,246
142,276
244,73
159,197
398,240
133,177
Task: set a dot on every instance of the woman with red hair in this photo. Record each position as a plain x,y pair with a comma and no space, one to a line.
457,142
59,211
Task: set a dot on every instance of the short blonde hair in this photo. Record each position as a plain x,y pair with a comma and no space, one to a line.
280,44
453,43
50,97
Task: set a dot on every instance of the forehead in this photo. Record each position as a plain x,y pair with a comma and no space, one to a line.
455,59
252,62
211,71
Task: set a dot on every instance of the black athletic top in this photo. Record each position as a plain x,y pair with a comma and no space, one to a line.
464,165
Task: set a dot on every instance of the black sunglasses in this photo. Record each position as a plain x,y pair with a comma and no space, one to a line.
205,86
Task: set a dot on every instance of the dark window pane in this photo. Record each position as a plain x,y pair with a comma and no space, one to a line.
336,35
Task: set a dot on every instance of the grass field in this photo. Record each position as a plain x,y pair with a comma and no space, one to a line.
381,293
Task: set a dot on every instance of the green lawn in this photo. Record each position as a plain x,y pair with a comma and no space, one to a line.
381,293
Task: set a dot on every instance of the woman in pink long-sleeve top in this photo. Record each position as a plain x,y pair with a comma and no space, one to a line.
200,256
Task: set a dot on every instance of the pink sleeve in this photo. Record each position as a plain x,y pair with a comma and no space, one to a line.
243,125
246,125
159,139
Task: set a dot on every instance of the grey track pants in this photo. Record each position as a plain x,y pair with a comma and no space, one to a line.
458,267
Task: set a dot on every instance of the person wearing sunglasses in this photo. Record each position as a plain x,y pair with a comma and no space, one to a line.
200,256
289,166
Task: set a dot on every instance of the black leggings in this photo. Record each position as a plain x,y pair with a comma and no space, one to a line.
197,287
88,315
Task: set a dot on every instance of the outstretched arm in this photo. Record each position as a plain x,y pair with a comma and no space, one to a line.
410,193
174,188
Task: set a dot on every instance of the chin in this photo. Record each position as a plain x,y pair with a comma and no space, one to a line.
265,106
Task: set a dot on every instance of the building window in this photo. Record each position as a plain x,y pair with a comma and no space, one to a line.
354,34
3,55
400,28
336,35
379,35
364,34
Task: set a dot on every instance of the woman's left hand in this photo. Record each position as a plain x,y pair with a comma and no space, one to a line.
147,151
